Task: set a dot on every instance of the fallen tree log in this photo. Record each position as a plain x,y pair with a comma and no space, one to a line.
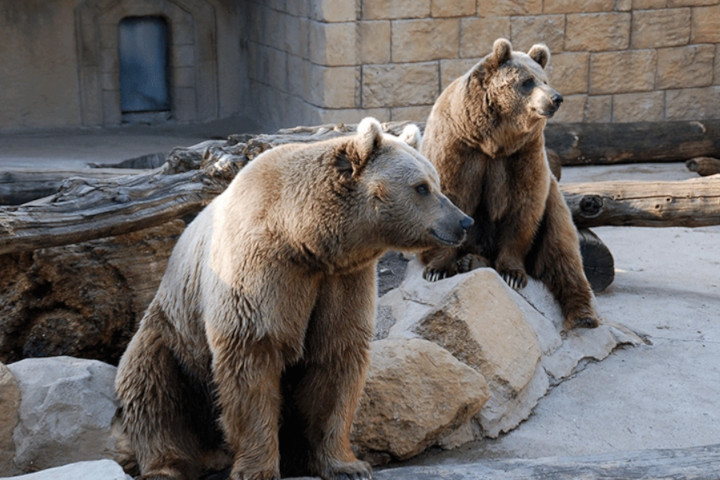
640,142
688,203
704,166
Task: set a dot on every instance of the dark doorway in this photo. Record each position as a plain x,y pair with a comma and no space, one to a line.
143,45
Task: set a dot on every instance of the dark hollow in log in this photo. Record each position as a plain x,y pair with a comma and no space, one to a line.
689,203
611,143
598,262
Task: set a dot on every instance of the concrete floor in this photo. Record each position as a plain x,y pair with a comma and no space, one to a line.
667,286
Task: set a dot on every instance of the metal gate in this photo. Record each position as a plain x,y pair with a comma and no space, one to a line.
143,52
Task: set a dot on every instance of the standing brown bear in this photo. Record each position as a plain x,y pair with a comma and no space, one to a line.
257,340
485,137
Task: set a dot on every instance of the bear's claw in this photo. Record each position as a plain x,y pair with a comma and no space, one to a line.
516,279
435,275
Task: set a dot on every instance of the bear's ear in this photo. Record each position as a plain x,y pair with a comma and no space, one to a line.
411,136
540,53
502,52
367,140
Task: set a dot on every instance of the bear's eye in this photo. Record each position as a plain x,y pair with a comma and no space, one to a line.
423,189
528,84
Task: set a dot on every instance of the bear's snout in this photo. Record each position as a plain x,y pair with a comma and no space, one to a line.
557,99
466,223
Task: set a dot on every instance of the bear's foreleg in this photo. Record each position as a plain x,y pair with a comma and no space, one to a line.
336,359
558,264
151,396
247,375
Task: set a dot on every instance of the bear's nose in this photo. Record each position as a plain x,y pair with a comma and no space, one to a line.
466,223
557,99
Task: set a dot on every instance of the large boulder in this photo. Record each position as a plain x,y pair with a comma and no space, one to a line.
513,339
91,470
66,409
415,394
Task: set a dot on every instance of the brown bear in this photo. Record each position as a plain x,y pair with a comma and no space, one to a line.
256,343
485,137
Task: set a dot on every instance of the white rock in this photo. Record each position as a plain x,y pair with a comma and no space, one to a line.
65,413
92,470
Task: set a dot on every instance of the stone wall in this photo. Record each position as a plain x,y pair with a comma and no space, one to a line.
320,61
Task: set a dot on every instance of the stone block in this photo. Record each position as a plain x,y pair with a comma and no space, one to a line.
525,31
572,109
660,28
716,76
351,115
623,5
508,7
296,36
706,24
400,84
383,9
648,4
452,8
274,29
415,394
333,10
690,3
426,39
578,6
452,69
417,113
692,103
568,72
300,77
478,34
639,107
684,67
65,413
622,72
333,44
374,40
596,32
335,87
598,108
91,470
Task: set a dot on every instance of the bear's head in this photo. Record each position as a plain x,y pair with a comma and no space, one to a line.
406,208
514,85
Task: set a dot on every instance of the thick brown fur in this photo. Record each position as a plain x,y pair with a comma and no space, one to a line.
485,137
256,344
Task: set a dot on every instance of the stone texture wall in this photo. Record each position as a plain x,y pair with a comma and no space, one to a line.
318,61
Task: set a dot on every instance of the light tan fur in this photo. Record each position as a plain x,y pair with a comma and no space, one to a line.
485,137
257,340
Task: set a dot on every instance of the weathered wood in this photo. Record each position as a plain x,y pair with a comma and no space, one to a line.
22,185
689,203
610,143
695,463
704,166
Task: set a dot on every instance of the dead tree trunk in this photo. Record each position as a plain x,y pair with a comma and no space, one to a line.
611,143
704,166
689,203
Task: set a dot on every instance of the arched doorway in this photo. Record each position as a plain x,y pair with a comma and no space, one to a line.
143,44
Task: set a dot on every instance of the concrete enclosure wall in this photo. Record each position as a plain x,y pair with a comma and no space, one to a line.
59,60
614,60
292,62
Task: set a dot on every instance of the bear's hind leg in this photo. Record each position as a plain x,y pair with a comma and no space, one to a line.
336,358
149,388
555,260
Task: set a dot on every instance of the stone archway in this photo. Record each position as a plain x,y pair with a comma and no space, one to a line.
193,57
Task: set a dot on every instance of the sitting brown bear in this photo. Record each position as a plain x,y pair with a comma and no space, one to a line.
485,137
257,340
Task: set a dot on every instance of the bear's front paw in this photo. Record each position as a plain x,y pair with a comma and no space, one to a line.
516,278
433,274
470,262
257,475
357,470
